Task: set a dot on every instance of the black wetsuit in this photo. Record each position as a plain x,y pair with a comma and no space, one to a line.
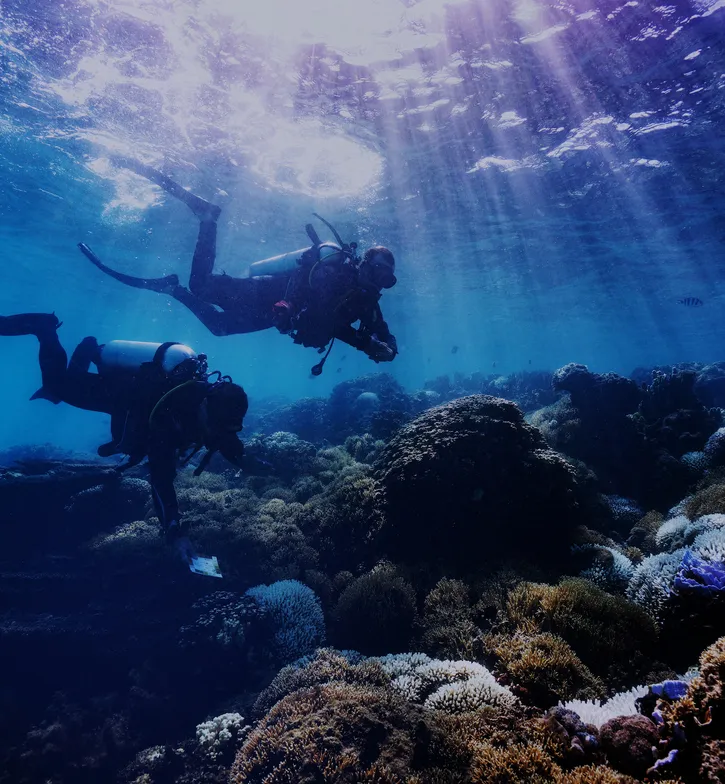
228,306
130,401
247,304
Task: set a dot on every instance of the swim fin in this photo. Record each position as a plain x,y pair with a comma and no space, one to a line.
44,394
164,285
203,209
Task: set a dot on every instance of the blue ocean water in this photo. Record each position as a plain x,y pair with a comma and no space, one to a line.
549,176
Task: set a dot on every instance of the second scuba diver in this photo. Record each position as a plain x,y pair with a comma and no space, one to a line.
314,294
161,400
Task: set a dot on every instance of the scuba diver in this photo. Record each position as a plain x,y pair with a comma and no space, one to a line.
162,402
314,294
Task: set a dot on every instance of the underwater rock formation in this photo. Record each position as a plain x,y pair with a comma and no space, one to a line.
622,432
469,481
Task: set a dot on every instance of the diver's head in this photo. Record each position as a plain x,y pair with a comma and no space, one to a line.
378,268
224,410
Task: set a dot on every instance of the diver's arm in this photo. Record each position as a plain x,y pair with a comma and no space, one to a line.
381,343
363,340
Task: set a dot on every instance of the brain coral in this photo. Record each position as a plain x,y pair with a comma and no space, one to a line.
470,480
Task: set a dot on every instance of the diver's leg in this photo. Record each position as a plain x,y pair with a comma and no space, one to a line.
203,209
51,355
202,264
217,322
161,285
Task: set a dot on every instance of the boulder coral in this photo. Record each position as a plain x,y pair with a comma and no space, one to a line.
468,481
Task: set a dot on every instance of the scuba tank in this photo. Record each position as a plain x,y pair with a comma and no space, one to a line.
323,253
127,356
286,263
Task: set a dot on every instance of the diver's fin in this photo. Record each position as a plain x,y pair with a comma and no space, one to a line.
163,285
45,394
203,209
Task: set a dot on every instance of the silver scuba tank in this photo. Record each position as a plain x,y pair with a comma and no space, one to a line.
129,355
286,263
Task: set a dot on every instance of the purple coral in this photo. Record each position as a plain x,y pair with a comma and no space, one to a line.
697,575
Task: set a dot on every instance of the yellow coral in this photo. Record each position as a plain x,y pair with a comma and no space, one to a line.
545,666
516,764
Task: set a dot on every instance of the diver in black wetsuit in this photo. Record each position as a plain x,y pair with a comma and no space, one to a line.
315,303
159,408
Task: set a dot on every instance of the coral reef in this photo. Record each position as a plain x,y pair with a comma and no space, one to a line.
437,552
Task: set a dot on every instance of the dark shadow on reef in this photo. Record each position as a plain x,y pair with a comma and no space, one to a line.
490,557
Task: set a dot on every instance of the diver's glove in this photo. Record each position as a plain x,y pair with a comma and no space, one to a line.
379,351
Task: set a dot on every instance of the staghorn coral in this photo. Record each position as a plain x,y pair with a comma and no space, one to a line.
543,667
593,774
516,764
343,521
479,481
598,713
449,686
607,632
223,620
448,628
609,569
376,612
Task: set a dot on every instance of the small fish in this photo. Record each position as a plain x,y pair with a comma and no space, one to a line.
454,350
339,370
529,362
493,364
690,302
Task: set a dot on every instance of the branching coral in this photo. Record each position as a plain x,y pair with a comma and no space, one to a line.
449,686
448,628
605,631
598,713
296,615
326,666
218,737
376,612
543,667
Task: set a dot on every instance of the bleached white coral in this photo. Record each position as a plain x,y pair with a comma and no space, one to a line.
450,686
710,544
218,734
598,713
614,575
671,534
680,531
470,695
650,584
710,522
396,664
